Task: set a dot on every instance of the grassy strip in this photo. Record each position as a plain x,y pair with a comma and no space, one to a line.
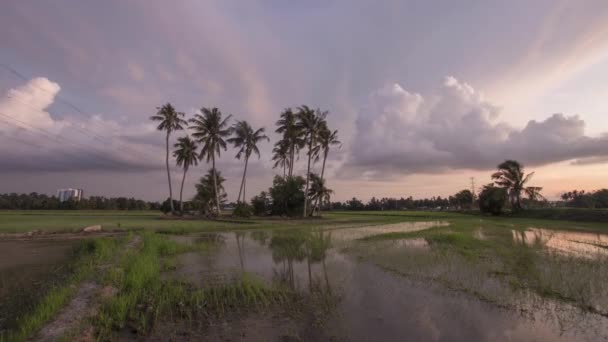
143,297
569,214
90,253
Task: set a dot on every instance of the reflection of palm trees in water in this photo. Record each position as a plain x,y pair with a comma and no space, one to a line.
297,246
240,243
287,248
319,242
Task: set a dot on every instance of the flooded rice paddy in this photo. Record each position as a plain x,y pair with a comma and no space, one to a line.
580,244
369,302
27,269
414,281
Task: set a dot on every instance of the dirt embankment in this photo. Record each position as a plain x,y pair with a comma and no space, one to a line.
74,318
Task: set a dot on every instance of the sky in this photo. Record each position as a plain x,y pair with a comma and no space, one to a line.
424,94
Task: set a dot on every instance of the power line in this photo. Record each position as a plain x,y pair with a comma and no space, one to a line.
60,99
80,129
58,139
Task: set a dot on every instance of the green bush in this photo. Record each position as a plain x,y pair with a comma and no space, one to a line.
261,205
242,210
492,199
287,195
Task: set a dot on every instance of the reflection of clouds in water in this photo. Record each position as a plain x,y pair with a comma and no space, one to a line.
479,234
426,322
412,243
379,305
349,234
588,245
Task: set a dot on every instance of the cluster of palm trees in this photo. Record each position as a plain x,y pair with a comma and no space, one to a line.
304,128
210,134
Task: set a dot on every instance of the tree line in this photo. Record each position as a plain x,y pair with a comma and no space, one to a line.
509,188
36,201
302,130
463,200
597,199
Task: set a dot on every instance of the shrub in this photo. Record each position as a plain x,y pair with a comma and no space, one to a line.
242,210
287,195
261,205
492,199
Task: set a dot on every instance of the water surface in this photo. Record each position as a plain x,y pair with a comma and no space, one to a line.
371,304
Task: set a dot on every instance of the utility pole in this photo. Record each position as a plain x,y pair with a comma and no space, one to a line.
473,191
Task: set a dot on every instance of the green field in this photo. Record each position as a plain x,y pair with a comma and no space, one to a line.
15,221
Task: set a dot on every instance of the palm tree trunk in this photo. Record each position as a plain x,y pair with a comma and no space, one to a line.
245,187
241,190
307,177
169,175
293,152
181,191
322,173
217,195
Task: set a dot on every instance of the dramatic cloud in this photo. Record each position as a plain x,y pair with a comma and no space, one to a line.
401,132
27,104
32,140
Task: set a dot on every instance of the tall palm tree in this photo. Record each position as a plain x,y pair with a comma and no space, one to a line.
292,135
310,123
327,139
210,131
318,192
170,121
510,175
186,155
281,156
246,140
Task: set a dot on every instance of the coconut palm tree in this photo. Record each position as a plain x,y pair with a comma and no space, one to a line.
318,192
310,123
210,130
292,135
170,121
186,155
327,139
246,140
281,156
510,175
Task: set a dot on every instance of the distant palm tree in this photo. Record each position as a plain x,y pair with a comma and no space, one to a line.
292,135
246,140
210,131
170,121
186,155
327,138
281,156
310,123
510,175
318,192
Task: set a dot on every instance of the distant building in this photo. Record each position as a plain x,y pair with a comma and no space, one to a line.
66,194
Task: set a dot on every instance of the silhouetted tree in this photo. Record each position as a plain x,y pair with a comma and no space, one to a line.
186,155
210,131
170,121
246,140
510,175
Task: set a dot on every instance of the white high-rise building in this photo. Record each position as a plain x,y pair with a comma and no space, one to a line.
66,194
